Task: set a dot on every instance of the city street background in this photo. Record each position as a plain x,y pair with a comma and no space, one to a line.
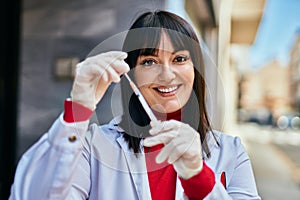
275,159
259,102
245,100
252,57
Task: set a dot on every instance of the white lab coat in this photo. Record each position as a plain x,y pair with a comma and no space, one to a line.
99,165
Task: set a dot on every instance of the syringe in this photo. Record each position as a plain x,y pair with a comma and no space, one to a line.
142,99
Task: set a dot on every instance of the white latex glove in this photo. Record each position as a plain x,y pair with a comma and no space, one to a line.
95,74
182,147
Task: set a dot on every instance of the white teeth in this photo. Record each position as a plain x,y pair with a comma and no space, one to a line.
171,89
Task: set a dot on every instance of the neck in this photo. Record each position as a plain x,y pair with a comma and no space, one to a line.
176,115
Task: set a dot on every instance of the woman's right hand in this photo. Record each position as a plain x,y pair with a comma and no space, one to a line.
95,74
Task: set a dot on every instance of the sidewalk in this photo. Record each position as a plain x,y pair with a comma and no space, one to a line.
275,164
291,155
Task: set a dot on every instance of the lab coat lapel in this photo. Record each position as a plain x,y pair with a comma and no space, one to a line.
137,169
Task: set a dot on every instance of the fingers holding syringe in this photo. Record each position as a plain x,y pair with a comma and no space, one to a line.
94,75
111,65
163,138
162,132
113,71
120,67
159,127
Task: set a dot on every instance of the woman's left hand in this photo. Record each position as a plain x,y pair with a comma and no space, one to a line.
182,146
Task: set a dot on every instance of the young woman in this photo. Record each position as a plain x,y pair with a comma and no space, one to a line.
176,157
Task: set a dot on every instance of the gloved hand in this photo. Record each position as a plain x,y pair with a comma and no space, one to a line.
95,74
182,146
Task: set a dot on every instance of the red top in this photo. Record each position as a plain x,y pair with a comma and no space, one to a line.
162,177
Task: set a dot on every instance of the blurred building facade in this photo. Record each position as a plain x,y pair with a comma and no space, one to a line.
274,87
294,73
239,22
266,89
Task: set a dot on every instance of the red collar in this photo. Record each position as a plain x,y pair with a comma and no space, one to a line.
177,115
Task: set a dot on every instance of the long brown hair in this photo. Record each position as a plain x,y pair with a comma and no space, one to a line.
143,39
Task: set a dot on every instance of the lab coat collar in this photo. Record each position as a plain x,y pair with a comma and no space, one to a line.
114,124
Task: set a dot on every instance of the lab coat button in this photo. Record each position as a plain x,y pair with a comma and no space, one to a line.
72,138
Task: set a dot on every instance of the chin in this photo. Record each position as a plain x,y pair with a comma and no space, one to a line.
167,108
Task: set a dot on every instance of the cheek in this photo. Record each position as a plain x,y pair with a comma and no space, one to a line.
188,75
143,78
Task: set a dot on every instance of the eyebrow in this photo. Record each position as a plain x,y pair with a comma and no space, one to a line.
156,54
180,50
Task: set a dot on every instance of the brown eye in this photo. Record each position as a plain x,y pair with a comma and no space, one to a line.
148,62
181,59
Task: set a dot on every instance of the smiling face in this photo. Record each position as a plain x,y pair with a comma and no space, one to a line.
166,77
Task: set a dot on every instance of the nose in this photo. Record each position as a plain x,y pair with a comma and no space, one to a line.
166,74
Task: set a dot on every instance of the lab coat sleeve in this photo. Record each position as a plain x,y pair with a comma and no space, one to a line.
55,167
241,184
